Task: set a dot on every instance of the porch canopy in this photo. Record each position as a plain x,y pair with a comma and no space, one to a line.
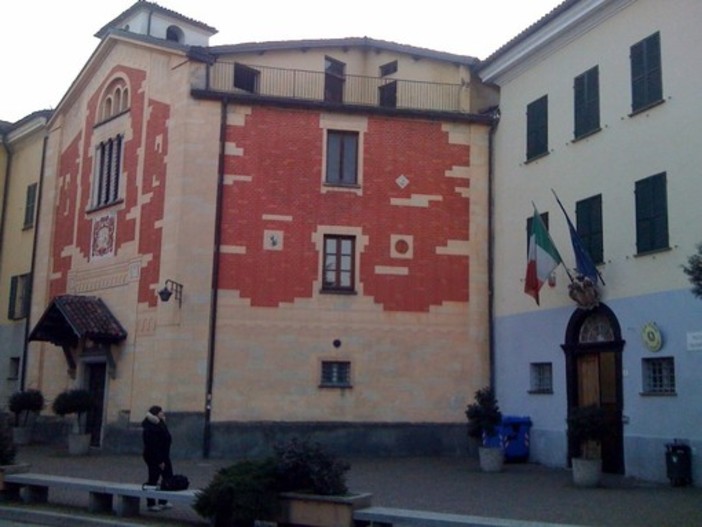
69,319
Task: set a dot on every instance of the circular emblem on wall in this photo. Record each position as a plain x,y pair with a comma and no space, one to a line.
651,336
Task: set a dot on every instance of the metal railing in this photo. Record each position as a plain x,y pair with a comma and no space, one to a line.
353,90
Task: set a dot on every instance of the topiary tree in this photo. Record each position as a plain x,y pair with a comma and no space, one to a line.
23,403
484,417
75,401
693,270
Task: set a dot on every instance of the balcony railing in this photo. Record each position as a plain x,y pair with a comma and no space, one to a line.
352,90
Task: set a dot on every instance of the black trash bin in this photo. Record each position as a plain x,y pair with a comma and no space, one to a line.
514,432
678,460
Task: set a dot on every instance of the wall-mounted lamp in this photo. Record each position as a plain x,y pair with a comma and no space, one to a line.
171,288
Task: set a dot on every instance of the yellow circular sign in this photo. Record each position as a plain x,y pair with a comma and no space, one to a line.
651,336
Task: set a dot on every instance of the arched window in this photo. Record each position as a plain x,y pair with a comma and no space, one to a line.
115,99
174,34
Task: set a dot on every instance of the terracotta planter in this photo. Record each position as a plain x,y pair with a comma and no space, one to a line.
491,459
311,510
78,444
586,472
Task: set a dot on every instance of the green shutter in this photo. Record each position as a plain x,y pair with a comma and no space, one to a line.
537,127
13,298
651,214
587,102
588,214
646,72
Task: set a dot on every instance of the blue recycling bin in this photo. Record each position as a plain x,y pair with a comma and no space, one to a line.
514,432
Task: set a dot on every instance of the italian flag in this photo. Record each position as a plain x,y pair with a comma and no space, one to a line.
543,257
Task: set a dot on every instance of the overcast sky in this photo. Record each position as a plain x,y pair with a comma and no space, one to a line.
45,43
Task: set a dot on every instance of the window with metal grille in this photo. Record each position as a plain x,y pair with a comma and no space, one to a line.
646,73
541,377
651,214
336,373
588,214
658,375
108,167
342,157
20,294
537,128
30,205
339,264
587,102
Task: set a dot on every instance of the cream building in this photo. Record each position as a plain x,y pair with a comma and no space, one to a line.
599,103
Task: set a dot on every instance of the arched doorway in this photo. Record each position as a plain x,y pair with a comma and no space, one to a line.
593,352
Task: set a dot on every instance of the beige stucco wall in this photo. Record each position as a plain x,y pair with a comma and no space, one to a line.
609,162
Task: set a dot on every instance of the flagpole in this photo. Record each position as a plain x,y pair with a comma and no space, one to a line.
569,226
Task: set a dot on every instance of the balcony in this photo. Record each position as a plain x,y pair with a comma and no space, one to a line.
248,82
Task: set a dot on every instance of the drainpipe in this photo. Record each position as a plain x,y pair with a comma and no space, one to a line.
491,246
207,435
37,216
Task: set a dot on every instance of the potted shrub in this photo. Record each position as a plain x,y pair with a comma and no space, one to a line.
23,404
76,401
484,419
300,484
587,426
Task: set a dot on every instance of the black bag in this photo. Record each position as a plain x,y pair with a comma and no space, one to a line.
175,482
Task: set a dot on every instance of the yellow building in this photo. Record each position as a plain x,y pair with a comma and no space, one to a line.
21,157
266,239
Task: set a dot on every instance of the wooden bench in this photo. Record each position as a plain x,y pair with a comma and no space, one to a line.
387,517
34,488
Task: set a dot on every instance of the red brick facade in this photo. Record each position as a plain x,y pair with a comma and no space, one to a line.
282,153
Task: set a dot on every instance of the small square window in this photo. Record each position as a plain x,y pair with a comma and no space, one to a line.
658,376
336,374
541,377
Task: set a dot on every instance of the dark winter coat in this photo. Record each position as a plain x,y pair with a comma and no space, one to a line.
157,440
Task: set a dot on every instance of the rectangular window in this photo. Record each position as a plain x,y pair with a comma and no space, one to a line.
588,217
20,294
651,214
658,375
14,369
587,102
336,374
342,157
387,93
541,377
108,168
30,205
246,78
334,78
339,263
646,73
537,128
388,69
530,220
